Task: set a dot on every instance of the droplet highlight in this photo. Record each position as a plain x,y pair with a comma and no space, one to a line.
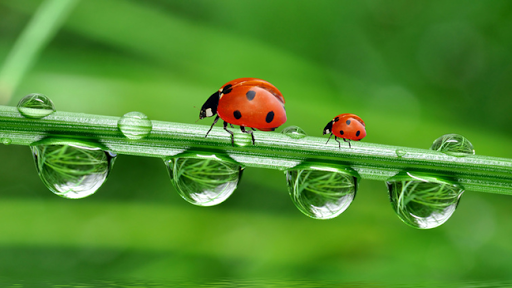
453,145
322,192
294,132
135,125
71,169
400,153
423,201
36,106
6,141
204,180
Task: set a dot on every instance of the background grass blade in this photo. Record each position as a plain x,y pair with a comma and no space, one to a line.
38,33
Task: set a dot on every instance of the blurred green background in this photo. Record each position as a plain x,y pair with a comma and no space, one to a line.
413,70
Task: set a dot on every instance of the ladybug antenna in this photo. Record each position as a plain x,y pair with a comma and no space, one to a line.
199,110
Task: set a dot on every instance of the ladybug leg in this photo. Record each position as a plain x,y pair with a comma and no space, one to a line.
339,143
329,138
214,122
231,125
347,140
242,128
230,132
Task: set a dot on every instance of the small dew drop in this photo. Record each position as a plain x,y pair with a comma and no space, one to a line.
423,202
321,193
453,145
400,153
72,170
204,180
36,106
135,125
294,132
6,141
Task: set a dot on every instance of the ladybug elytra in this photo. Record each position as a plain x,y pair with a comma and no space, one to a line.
347,127
247,102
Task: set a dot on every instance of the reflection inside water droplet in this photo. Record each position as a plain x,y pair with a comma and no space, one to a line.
36,106
204,180
454,145
423,201
6,141
400,153
74,169
294,132
135,125
322,192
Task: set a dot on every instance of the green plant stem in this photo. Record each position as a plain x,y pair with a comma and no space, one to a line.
38,32
272,150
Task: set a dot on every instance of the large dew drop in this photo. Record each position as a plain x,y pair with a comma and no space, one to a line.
135,125
204,180
454,145
72,169
36,106
423,201
294,132
322,192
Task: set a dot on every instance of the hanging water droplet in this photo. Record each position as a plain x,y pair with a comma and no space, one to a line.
294,132
322,192
135,125
423,201
454,145
36,106
400,153
204,180
6,141
72,169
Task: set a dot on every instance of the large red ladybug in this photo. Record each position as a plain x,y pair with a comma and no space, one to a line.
247,102
346,126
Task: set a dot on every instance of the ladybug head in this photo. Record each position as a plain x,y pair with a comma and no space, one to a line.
328,128
210,106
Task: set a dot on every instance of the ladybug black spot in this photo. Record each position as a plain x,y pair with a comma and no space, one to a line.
227,89
358,133
348,122
270,117
341,132
237,114
250,95
336,119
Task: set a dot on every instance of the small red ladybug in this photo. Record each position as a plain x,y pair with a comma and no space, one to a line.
247,102
346,126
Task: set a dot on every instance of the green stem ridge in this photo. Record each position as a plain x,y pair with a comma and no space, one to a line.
272,150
